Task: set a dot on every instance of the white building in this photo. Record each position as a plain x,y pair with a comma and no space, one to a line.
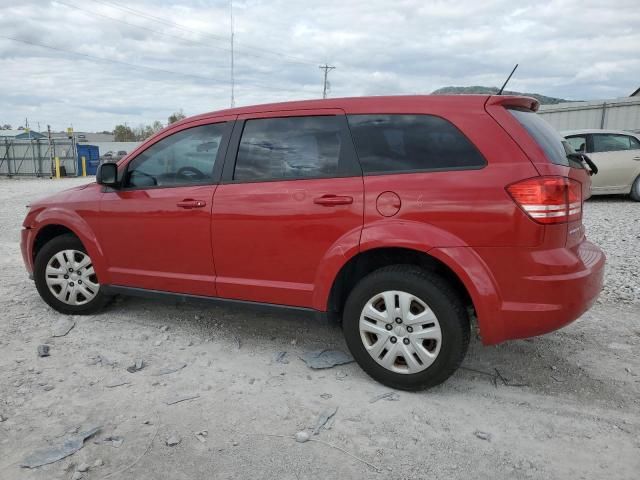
616,114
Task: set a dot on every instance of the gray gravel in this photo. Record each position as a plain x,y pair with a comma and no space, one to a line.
564,405
613,222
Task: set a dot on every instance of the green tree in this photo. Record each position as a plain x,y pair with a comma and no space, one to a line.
123,133
157,126
6,126
176,116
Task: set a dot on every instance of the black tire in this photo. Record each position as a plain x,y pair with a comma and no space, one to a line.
57,244
635,190
441,298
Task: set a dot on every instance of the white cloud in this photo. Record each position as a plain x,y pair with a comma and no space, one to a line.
567,48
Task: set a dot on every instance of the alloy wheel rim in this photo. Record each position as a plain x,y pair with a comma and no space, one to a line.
71,278
400,332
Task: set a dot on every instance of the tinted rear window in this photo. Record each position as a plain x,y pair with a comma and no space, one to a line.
554,146
408,143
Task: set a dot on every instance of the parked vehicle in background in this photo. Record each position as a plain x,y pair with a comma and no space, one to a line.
107,157
616,153
120,155
401,217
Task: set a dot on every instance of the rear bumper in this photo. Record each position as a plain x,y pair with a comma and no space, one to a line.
540,291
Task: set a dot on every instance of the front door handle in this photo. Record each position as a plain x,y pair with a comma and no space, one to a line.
191,203
331,200
636,159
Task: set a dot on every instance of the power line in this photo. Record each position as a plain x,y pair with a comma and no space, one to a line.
327,69
117,20
121,62
139,13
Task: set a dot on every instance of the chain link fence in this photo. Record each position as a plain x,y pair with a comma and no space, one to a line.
36,157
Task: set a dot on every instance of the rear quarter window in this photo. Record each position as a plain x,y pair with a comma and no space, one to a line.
411,143
550,141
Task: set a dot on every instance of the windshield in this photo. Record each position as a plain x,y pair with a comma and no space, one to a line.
555,147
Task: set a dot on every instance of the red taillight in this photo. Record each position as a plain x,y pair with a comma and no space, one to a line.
549,199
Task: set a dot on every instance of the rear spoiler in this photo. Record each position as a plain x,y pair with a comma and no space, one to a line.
526,103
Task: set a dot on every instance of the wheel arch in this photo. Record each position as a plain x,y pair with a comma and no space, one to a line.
51,224
373,259
461,267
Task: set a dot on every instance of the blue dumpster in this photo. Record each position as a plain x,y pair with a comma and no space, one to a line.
91,153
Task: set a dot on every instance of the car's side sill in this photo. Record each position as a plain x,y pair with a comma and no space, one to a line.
216,301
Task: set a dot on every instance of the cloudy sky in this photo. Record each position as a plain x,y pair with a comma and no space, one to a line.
97,63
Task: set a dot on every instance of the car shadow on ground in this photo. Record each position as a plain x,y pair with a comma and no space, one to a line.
544,365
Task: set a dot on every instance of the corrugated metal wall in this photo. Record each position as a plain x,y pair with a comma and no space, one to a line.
33,157
618,114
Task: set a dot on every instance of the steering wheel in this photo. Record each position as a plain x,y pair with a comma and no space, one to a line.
191,173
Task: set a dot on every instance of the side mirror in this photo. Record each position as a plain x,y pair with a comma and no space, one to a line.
107,175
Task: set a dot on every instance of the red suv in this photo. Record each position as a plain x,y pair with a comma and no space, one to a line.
403,217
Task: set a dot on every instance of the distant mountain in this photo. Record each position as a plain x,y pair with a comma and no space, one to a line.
543,99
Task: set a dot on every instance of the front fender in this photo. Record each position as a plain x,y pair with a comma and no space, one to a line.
79,226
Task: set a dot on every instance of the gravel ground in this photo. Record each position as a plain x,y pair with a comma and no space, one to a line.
568,406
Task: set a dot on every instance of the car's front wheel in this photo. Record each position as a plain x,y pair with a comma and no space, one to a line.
65,277
406,327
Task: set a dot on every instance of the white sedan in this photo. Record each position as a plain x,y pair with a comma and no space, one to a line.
616,153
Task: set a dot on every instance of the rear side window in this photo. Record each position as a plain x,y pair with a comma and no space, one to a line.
554,146
289,148
613,143
409,143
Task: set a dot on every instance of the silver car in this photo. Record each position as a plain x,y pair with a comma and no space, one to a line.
616,153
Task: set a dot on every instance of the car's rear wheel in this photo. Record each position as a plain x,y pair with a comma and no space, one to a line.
635,190
65,277
406,327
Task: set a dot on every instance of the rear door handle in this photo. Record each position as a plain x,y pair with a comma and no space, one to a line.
331,200
637,158
191,203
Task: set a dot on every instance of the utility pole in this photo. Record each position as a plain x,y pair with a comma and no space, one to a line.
233,100
327,69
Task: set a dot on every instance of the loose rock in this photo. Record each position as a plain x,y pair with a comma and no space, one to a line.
482,435
83,467
173,440
281,357
43,350
302,437
323,420
137,366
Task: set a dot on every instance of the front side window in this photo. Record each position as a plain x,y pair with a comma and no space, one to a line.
289,148
184,158
406,143
578,142
613,143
